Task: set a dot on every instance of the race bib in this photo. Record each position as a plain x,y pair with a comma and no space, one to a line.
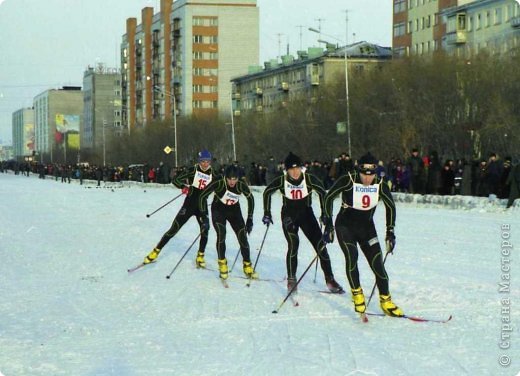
365,197
201,180
230,198
296,192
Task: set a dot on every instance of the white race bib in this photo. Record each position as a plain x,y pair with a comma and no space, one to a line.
201,180
230,198
365,197
296,192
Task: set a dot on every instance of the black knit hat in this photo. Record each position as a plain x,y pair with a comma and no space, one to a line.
367,164
231,172
292,160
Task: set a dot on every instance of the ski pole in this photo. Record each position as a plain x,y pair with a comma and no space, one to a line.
169,202
248,284
374,288
261,247
234,262
316,270
295,286
184,255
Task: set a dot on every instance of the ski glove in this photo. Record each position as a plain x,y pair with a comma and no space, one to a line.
267,219
390,240
326,220
204,222
185,190
328,234
249,225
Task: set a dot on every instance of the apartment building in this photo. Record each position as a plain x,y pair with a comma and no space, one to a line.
102,115
181,59
57,119
23,132
491,25
273,86
461,27
417,26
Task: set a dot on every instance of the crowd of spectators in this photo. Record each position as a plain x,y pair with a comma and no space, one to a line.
426,174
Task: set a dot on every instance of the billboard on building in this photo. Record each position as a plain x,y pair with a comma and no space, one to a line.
28,139
67,123
67,128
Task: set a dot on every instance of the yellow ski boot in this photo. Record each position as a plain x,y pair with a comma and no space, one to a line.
199,261
359,300
223,269
388,307
152,256
249,271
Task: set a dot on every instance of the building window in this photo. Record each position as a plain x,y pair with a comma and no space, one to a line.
213,39
498,16
198,21
198,55
197,104
399,29
213,21
399,6
197,88
198,39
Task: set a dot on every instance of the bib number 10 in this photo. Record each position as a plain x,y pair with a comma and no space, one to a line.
296,194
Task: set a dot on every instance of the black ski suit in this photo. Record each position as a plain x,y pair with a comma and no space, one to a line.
354,224
226,207
297,213
197,180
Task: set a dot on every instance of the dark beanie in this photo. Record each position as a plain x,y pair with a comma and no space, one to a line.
367,159
292,160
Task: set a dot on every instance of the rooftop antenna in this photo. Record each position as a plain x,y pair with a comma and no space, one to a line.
279,44
346,25
301,35
319,24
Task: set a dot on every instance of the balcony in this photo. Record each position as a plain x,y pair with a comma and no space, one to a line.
236,96
259,108
259,91
515,21
283,86
456,37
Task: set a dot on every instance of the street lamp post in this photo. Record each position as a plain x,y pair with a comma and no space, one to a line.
346,83
104,143
233,130
159,90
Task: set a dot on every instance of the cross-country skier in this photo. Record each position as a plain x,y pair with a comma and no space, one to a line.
192,182
296,187
226,207
360,192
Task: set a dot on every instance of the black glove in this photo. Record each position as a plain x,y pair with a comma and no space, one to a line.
267,219
204,221
325,220
249,225
390,240
328,234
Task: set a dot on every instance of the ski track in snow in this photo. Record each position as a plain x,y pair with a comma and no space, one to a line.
69,307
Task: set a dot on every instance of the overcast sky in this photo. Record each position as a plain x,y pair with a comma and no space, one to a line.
48,43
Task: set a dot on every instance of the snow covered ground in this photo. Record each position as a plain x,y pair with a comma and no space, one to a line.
69,307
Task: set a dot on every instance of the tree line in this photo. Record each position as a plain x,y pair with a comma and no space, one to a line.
460,108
